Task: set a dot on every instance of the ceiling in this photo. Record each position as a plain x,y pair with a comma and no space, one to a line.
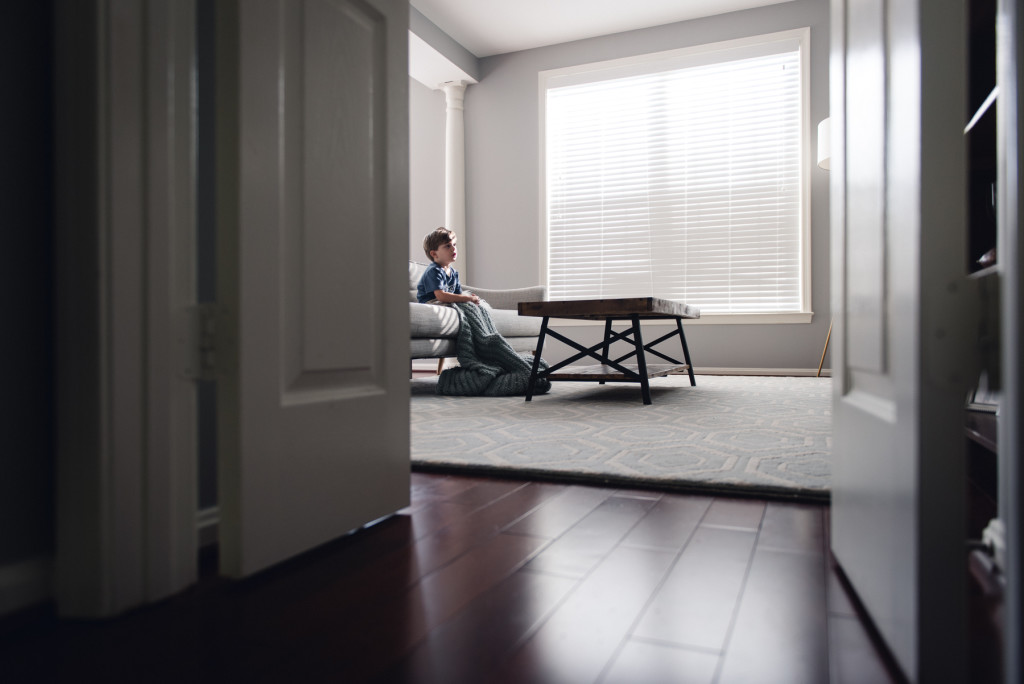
492,27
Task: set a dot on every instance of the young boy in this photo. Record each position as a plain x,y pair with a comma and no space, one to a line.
440,282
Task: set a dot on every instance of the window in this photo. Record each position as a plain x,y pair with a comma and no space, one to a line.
681,175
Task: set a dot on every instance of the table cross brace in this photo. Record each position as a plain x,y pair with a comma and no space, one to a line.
590,352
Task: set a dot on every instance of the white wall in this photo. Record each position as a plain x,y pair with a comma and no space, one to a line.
502,166
426,164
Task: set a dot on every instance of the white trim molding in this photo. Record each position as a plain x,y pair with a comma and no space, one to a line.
125,225
430,67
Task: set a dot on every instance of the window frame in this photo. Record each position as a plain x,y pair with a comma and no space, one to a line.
728,50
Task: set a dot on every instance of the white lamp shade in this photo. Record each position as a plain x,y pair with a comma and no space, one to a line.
825,143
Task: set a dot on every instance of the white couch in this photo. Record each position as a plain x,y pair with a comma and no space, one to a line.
433,329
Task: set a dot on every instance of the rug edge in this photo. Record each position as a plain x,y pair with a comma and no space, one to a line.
786,494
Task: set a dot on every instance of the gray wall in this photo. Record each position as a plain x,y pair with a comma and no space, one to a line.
26,195
502,186
426,164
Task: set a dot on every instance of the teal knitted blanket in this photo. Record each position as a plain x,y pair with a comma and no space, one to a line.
488,365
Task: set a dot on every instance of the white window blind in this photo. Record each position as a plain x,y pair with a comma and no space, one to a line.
682,183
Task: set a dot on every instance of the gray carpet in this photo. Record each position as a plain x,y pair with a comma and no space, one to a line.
754,436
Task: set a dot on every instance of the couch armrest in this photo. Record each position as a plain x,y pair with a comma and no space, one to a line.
508,299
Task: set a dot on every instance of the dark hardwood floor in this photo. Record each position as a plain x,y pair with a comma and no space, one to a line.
499,580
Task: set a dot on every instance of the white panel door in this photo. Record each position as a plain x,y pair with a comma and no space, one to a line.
900,303
312,135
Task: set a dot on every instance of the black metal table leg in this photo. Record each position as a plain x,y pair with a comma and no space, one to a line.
607,344
686,353
641,362
536,359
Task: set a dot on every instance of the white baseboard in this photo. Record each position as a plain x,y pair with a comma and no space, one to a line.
792,372
25,583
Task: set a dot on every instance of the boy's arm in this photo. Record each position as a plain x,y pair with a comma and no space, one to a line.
449,298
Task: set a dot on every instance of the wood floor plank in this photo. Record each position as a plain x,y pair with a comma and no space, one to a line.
792,527
314,608
431,486
557,515
485,492
854,659
358,646
352,556
578,641
469,647
695,606
442,593
431,516
580,549
650,663
743,514
466,528
669,523
781,629
639,493
482,523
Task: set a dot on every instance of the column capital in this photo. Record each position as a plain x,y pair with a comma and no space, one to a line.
454,93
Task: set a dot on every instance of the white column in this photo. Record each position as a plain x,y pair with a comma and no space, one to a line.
455,167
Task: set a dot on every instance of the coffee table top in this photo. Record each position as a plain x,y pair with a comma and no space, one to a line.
603,309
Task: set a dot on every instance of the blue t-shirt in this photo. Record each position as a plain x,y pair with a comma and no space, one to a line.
434,278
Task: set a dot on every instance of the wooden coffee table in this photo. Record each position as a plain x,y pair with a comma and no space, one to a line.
632,309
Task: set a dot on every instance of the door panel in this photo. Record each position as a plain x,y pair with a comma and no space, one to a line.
313,328
902,327
341,86
865,174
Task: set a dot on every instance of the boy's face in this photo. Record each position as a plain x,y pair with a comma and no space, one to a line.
446,253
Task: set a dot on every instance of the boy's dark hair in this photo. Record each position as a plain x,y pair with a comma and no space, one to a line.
436,238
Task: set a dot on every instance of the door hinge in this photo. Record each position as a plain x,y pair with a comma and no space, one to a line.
202,356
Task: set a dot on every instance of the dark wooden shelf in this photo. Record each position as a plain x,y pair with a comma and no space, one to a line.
605,373
983,273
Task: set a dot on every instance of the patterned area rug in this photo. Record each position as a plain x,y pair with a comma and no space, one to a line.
755,436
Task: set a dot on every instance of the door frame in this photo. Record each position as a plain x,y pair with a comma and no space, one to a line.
1009,70
124,190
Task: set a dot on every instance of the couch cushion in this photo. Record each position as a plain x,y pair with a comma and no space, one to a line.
416,271
433,348
510,324
432,320
438,347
